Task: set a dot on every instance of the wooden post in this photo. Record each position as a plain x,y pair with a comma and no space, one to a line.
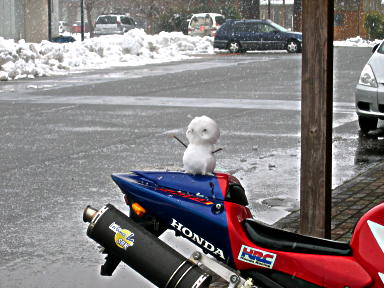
316,118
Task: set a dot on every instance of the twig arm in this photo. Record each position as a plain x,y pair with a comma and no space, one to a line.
185,145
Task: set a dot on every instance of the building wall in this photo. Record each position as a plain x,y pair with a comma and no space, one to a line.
12,19
348,24
27,19
36,19
350,15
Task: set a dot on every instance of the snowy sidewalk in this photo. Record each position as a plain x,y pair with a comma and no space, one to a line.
349,202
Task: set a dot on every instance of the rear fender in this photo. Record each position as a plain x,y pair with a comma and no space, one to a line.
368,243
196,213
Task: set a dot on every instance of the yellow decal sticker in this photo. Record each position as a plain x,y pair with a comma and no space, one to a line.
123,237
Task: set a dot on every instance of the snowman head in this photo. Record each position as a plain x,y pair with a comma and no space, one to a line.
203,130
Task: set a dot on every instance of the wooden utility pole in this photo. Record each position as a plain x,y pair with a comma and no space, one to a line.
316,118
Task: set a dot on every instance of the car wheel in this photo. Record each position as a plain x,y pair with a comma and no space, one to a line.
293,46
367,124
234,47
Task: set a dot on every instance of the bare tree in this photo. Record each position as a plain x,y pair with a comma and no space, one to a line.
89,6
153,9
250,9
297,8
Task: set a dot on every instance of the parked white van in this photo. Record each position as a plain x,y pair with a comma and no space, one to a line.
205,24
113,24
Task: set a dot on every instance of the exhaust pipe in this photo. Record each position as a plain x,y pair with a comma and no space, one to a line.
125,240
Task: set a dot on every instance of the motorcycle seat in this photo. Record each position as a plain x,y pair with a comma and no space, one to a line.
276,239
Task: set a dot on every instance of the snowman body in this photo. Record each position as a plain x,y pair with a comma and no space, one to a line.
202,134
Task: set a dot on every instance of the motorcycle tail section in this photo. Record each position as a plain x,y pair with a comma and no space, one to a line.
368,243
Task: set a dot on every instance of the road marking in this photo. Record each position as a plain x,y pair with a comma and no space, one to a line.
224,103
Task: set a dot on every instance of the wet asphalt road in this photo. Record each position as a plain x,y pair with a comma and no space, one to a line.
62,137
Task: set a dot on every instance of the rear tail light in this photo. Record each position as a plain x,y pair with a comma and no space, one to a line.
138,209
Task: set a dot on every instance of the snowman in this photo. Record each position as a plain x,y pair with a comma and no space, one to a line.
202,134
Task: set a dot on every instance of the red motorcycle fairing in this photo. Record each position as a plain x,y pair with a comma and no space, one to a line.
368,243
331,271
323,270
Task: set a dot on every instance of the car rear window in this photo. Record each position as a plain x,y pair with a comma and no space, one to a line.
201,21
381,48
127,21
107,20
219,20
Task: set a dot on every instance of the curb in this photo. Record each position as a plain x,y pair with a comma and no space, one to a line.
350,201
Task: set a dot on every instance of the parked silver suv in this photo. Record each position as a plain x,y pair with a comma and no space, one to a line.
113,24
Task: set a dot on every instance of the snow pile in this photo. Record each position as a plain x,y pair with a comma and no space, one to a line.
356,42
30,60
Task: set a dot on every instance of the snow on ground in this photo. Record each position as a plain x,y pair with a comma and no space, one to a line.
29,60
356,42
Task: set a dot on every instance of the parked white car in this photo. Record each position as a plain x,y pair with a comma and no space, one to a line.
113,24
63,27
370,91
205,24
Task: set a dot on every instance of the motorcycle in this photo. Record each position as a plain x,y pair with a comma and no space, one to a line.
211,211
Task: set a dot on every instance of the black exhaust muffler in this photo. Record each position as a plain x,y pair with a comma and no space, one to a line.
124,240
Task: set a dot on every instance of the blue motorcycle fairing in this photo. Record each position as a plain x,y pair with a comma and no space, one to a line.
206,185
197,220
